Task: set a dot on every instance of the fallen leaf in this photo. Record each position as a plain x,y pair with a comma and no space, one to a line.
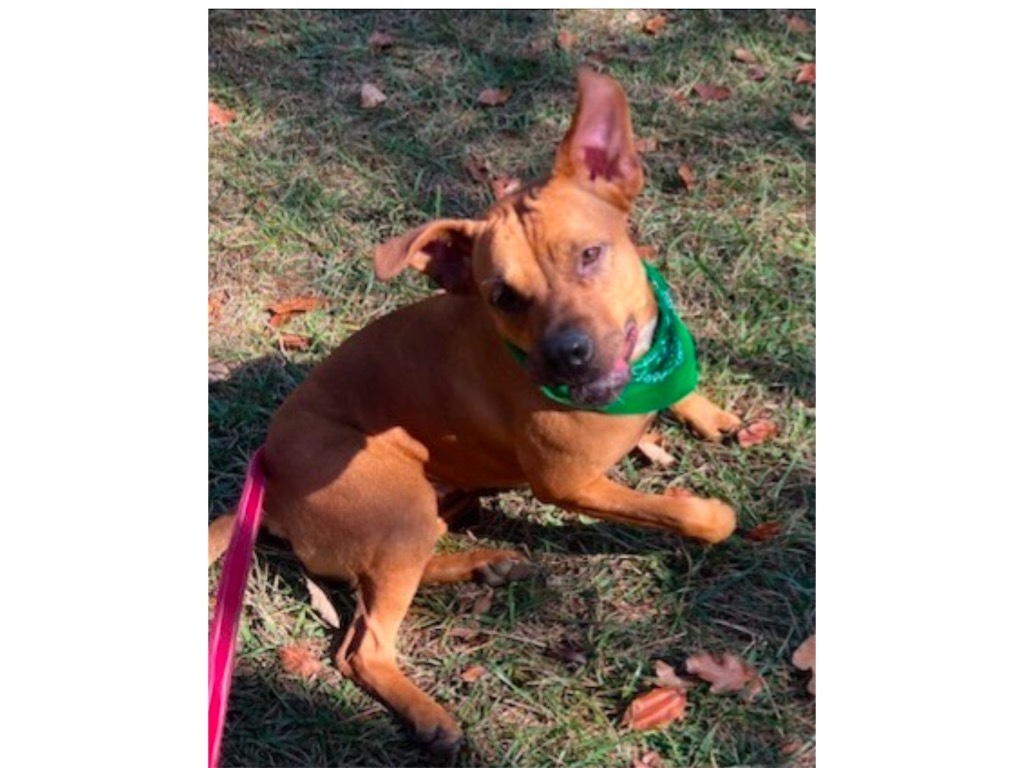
756,432
764,531
645,145
370,96
218,371
381,40
655,709
679,97
712,92
798,24
790,746
803,658
493,97
655,453
322,605
219,117
478,170
742,54
565,40
647,252
483,603
655,24
214,303
505,185
648,760
688,177
473,673
805,74
757,73
801,122
294,341
667,677
730,675
295,306
299,659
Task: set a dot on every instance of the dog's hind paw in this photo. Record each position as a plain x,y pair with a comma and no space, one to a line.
505,567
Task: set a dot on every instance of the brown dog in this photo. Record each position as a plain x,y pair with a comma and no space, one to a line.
430,397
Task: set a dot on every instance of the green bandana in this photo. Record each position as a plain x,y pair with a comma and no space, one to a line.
665,374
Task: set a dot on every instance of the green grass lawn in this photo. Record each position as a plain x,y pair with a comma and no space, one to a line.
302,185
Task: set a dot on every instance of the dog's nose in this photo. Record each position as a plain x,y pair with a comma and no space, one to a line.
567,352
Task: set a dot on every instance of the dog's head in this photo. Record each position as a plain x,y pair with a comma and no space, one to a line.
554,262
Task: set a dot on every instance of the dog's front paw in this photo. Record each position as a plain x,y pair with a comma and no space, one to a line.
443,739
709,520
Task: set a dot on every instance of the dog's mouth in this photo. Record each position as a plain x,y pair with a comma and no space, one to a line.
596,388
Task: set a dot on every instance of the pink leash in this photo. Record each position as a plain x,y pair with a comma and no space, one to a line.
230,592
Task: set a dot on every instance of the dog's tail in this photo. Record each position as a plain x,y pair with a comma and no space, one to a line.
220,534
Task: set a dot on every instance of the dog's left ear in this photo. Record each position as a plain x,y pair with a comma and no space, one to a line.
598,150
442,250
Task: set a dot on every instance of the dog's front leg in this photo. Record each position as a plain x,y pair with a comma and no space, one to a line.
707,519
706,418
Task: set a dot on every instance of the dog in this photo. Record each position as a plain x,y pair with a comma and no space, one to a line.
545,290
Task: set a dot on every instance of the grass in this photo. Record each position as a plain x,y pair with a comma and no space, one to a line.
304,183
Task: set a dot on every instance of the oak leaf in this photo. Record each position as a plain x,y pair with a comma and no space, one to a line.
299,659
294,341
805,74
655,709
667,677
764,531
473,673
493,97
283,310
742,54
803,658
688,177
712,92
730,675
381,40
218,116
798,24
756,432
370,96
655,24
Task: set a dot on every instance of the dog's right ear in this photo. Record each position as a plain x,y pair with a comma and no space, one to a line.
442,250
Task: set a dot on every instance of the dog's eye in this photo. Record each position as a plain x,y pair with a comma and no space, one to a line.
591,255
507,299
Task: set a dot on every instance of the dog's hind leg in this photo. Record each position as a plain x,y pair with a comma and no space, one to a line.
493,567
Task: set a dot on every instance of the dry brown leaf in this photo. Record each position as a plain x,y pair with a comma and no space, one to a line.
381,40
799,24
742,54
493,97
473,673
322,605
218,371
730,675
803,658
505,185
656,454
712,92
219,117
655,24
214,304
645,145
757,432
483,603
805,74
565,40
791,746
764,531
655,709
757,73
667,677
647,252
294,341
801,122
295,306
370,96
649,759
689,178
478,169
679,97
299,659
